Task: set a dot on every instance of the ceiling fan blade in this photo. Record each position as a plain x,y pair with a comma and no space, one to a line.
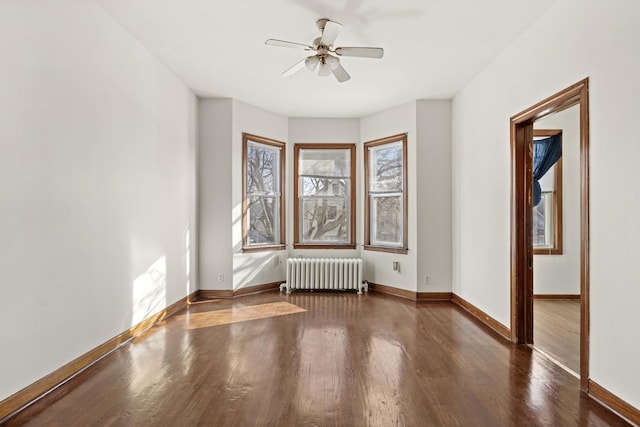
340,73
284,43
332,61
295,68
363,52
330,32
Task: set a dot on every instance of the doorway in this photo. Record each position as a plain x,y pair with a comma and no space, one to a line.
556,238
522,291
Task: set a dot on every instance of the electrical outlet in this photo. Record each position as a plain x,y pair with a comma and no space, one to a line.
220,277
427,280
396,266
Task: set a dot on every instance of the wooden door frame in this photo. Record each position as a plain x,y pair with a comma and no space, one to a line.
522,217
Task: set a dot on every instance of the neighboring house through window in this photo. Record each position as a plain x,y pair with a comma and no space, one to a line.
324,203
262,199
385,163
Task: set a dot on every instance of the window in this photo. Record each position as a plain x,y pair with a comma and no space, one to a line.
262,199
325,196
547,215
543,236
385,163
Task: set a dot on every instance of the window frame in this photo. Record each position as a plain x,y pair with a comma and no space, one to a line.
556,248
297,243
368,245
247,138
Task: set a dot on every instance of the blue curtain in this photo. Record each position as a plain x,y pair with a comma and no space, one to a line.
546,153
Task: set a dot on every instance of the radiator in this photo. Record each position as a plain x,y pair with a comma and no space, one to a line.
324,273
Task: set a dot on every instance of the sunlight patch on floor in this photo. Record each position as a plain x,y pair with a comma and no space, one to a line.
240,314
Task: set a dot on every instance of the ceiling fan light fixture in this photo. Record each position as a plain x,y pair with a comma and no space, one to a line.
324,69
312,62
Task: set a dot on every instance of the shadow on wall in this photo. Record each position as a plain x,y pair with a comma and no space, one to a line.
187,260
149,291
262,267
236,227
255,268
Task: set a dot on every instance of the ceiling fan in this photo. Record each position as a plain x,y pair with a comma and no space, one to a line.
327,57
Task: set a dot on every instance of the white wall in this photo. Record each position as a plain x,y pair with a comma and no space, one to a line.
255,268
215,138
428,127
433,193
560,274
576,39
97,150
308,130
222,122
378,266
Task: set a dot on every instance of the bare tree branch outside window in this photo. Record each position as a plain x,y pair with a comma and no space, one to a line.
263,193
385,192
324,182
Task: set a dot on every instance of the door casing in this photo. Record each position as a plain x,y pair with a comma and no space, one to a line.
522,216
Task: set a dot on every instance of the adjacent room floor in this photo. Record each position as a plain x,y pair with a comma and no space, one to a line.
320,359
556,330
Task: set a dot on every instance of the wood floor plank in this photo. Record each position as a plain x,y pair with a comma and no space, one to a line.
348,360
557,330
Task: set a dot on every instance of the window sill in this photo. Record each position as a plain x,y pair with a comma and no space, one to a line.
249,249
385,249
316,246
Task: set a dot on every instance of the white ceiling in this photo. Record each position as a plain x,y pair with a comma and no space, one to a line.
433,48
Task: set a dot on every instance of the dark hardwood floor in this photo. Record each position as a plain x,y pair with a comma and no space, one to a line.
320,359
556,330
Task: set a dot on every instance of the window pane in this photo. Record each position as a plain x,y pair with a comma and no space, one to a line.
324,194
263,217
324,220
325,162
386,218
386,186
323,186
262,169
543,222
386,168
262,193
